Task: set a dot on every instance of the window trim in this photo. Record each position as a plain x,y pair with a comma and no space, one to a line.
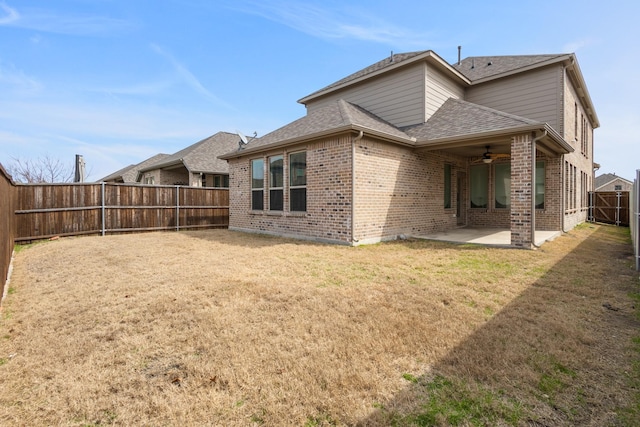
297,187
448,187
257,189
271,160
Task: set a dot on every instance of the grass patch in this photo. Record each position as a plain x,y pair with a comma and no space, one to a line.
305,334
455,403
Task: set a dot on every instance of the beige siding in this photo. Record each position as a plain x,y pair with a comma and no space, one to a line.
395,97
439,89
536,95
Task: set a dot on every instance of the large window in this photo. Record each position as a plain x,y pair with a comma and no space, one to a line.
298,182
502,185
479,180
257,184
540,172
447,186
276,183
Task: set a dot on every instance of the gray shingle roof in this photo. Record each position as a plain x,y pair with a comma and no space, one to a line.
479,67
606,178
130,173
458,118
338,115
203,155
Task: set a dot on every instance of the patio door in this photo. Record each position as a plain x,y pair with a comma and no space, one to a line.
461,190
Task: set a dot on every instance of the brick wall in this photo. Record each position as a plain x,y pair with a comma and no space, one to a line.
328,215
399,191
521,191
580,160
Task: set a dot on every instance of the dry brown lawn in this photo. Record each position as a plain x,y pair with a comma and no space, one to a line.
230,329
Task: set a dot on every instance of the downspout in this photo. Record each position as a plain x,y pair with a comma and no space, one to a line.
353,186
533,186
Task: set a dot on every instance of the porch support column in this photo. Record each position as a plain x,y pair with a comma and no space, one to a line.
522,196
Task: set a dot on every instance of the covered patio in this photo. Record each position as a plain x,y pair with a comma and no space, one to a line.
500,237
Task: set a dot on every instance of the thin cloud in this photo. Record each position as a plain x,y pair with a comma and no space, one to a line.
188,77
51,22
576,45
343,24
17,79
10,14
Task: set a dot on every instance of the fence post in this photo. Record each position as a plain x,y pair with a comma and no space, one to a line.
103,207
635,218
177,208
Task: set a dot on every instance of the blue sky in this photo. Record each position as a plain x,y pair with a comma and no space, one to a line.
119,81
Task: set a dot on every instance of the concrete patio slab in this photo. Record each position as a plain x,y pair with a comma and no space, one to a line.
486,236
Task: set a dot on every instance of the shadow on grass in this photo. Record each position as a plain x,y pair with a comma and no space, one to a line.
557,355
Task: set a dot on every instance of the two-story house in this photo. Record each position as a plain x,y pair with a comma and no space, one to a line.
413,145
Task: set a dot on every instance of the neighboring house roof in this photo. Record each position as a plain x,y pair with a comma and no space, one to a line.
607,178
130,173
201,157
338,116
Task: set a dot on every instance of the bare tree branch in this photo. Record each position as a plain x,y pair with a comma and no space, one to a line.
40,170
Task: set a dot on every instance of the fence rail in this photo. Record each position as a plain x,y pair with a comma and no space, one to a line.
48,210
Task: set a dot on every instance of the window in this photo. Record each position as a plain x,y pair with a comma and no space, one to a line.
150,180
298,182
540,179
479,180
221,181
257,184
447,186
618,188
276,183
502,185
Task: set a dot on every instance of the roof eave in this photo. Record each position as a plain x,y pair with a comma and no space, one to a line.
559,145
437,60
581,87
410,142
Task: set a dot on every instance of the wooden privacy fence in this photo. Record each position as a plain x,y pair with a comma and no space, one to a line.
610,207
7,226
48,210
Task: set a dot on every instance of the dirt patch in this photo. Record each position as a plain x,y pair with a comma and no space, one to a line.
222,328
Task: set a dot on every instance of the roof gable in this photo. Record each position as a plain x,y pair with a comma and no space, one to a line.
336,117
608,178
390,63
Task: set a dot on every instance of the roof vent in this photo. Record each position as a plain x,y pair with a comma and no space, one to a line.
391,57
489,63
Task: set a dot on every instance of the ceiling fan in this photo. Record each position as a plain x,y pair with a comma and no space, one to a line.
489,157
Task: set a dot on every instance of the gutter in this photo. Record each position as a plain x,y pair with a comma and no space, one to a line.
353,186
